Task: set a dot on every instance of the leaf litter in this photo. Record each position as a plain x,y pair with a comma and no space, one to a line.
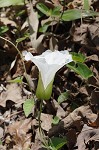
78,113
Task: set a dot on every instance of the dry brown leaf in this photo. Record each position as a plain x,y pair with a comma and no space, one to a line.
33,26
39,140
18,130
33,23
13,93
87,135
80,113
71,136
79,33
37,145
38,44
56,2
31,83
60,111
53,43
95,97
95,124
2,147
1,132
93,81
93,57
77,115
6,21
83,90
46,121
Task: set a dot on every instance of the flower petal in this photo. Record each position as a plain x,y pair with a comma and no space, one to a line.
49,63
27,55
57,57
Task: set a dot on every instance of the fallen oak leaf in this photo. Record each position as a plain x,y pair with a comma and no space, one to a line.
6,21
95,97
46,121
59,110
94,124
77,115
13,93
33,26
18,130
87,135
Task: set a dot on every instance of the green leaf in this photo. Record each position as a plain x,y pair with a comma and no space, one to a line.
20,13
28,106
63,97
44,28
16,80
6,3
81,69
57,143
73,14
3,29
56,11
23,38
0,142
40,14
78,57
43,8
89,13
86,5
55,120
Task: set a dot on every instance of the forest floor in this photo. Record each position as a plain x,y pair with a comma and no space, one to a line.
77,114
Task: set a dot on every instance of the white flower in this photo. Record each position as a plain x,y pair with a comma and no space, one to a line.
49,63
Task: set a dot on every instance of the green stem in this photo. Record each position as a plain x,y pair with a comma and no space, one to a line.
40,128
39,117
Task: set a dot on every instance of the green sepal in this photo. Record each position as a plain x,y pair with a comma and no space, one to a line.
41,93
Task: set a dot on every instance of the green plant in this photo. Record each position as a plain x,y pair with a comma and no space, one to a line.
3,29
28,106
78,66
63,97
55,120
56,15
56,143
7,3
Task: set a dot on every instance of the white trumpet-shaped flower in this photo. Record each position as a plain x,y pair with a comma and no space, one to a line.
48,64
